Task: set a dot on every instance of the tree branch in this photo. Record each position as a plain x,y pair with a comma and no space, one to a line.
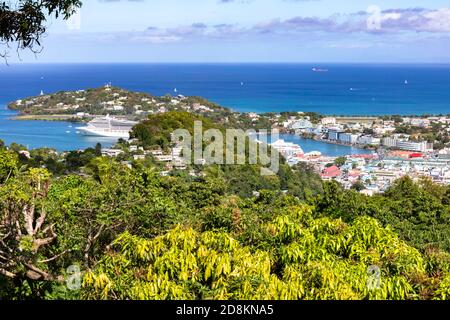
8,274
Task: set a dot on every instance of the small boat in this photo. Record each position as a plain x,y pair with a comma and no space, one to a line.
319,70
406,81
242,84
67,131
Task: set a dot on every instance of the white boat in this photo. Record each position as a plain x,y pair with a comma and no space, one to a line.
287,149
319,70
108,127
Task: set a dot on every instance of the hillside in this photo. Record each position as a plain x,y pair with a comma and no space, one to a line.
113,101
134,234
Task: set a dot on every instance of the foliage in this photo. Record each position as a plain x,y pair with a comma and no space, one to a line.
8,165
315,259
157,130
340,161
227,233
418,212
24,21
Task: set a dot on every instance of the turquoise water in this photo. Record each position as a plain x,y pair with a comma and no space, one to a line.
329,149
344,90
61,136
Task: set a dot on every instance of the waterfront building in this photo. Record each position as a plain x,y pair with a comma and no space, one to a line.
369,140
407,145
390,142
301,124
414,146
333,134
348,138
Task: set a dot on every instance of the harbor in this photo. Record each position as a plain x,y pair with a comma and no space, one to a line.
58,135
64,136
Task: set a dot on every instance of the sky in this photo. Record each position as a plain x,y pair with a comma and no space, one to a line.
234,31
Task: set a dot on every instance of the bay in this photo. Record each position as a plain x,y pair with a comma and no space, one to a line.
346,89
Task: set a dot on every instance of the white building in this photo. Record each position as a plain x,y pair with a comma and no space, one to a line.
390,142
111,152
301,124
414,146
348,138
419,122
333,134
328,121
369,140
407,145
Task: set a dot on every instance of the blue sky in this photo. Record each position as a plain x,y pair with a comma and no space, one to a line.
251,31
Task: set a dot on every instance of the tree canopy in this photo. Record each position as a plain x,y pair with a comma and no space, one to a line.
24,22
227,233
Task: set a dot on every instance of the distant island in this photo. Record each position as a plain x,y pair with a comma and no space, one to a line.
83,105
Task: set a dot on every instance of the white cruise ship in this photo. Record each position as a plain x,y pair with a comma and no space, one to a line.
108,127
287,149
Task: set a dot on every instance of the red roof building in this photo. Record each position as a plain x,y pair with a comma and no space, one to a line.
416,155
331,172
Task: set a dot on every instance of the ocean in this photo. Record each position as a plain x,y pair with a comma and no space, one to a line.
345,89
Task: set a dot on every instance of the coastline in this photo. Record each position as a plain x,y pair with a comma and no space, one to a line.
45,117
356,145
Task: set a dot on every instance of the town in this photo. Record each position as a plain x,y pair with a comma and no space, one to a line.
394,146
396,151
393,155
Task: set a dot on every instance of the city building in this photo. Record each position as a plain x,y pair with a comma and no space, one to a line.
330,173
348,138
369,140
333,134
328,121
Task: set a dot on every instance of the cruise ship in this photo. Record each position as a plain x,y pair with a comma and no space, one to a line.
287,149
108,127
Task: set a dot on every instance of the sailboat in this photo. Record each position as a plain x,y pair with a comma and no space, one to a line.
175,90
42,92
406,81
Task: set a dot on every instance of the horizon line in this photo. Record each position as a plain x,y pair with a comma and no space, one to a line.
235,62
